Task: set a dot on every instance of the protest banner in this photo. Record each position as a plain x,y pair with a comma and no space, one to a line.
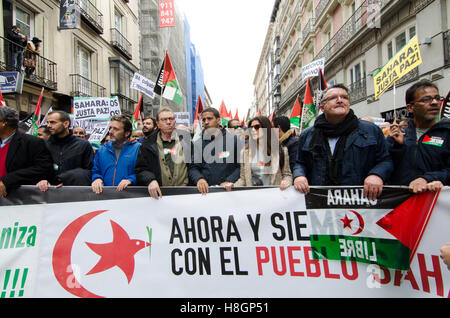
312,69
99,131
182,118
404,61
96,108
70,242
143,84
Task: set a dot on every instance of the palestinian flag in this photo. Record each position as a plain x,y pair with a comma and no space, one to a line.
243,122
387,231
36,117
2,101
309,109
172,89
236,116
295,114
224,115
136,119
159,82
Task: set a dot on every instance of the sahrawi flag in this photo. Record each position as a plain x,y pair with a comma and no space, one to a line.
296,114
309,109
36,117
136,120
172,89
347,226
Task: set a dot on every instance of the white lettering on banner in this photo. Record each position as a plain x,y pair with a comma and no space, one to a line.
186,246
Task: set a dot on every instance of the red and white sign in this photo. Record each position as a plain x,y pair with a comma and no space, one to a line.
166,14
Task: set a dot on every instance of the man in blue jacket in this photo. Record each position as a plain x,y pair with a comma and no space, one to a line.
340,149
421,155
114,162
215,155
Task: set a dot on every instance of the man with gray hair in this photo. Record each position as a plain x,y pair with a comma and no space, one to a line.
24,159
342,150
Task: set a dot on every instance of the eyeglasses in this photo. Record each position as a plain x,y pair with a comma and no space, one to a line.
255,127
429,99
236,127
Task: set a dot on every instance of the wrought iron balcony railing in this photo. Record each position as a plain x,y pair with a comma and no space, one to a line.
91,15
308,29
121,43
446,36
358,91
83,87
320,8
36,69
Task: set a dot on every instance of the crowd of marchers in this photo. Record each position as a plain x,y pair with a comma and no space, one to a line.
339,149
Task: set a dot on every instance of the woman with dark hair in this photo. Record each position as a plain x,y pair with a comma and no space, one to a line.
264,162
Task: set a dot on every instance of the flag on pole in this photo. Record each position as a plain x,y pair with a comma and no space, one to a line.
137,120
36,117
236,116
224,115
198,111
322,82
259,112
172,89
243,122
272,116
159,82
295,114
2,101
309,109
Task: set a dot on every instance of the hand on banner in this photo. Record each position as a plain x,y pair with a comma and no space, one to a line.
3,192
154,190
445,254
227,185
301,184
97,186
418,185
123,184
43,185
373,186
284,185
434,186
202,186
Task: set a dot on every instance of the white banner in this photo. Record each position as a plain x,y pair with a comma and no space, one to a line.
250,243
312,69
143,84
98,108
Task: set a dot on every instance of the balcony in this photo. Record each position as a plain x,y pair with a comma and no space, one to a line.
120,43
358,91
291,57
45,70
308,29
320,8
83,87
91,15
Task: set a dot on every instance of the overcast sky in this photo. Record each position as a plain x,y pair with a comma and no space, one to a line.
229,36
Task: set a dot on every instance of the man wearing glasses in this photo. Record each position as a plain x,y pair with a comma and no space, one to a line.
163,155
421,156
340,149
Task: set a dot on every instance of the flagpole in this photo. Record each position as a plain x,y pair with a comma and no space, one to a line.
395,115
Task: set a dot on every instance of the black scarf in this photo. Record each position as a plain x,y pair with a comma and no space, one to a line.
323,129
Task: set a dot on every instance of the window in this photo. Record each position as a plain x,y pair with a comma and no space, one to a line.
121,77
84,62
357,72
399,41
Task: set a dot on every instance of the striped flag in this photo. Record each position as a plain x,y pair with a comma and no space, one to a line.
36,117
224,115
386,232
172,89
137,120
309,108
198,111
2,101
295,114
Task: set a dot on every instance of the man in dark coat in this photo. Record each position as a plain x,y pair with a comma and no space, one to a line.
421,155
72,156
340,149
24,159
215,156
287,137
17,45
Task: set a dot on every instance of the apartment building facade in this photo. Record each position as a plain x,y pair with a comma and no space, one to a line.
356,38
96,59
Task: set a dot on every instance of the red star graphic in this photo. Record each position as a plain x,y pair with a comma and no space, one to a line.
347,222
120,252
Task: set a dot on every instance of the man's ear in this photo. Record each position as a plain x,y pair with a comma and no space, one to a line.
66,124
410,108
